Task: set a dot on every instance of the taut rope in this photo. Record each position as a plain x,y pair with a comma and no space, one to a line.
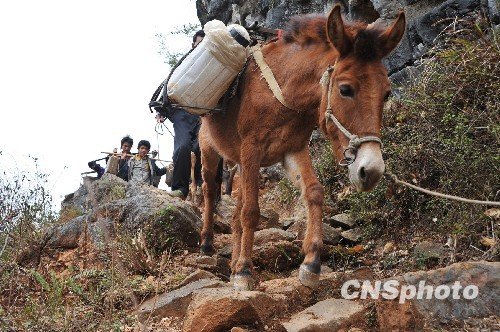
395,179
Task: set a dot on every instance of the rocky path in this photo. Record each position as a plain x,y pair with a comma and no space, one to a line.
205,301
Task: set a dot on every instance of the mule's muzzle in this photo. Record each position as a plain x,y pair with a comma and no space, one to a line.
368,167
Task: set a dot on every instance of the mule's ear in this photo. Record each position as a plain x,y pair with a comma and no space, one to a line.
392,36
336,32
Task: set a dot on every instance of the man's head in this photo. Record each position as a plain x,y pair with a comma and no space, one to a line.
126,144
143,148
197,38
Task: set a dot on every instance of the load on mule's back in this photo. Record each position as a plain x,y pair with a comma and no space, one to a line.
193,87
257,130
202,77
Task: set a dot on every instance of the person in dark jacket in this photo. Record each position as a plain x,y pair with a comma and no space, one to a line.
186,127
126,145
142,169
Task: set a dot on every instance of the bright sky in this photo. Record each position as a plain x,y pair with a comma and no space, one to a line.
76,76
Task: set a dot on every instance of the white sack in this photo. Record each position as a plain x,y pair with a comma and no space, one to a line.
208,71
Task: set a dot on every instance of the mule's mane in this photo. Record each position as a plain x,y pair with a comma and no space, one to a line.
311,29
306,29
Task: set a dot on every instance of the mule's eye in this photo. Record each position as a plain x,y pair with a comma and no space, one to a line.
346,90
387,95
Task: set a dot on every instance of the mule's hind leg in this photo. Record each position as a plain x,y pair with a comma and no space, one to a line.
300,171
250,165
210,160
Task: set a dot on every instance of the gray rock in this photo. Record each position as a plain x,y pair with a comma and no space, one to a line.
289,290
226,251
428,249
224,212
387,9
342,220
218,265
400,57
404,76
272,235
221,309
353,235
175,303
272,173
362,10
197,275
414,312
330,235
277,256
79,200
494,11
268,219
118,207
67,236
107,189
286,223
327,315
298,229
432,23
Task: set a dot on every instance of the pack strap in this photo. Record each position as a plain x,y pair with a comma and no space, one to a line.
269,77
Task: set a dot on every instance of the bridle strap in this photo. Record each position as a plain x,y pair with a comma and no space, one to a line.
354,141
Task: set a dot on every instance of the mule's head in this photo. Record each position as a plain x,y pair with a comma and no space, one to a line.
356,91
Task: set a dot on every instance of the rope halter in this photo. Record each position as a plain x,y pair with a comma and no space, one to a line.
354,141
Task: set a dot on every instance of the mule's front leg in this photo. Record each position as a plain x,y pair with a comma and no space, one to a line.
210,160
250,212
300,171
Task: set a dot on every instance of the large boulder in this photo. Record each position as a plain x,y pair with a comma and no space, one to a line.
66,236
174,303
327,315
445,308
220,309
138,213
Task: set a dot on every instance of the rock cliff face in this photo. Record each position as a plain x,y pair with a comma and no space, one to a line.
426,19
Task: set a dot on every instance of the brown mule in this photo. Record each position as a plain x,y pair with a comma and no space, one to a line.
259,131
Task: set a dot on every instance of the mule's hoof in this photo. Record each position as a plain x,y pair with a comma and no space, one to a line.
207,249
307,277
242,282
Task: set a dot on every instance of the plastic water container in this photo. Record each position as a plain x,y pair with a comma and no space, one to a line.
207,72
